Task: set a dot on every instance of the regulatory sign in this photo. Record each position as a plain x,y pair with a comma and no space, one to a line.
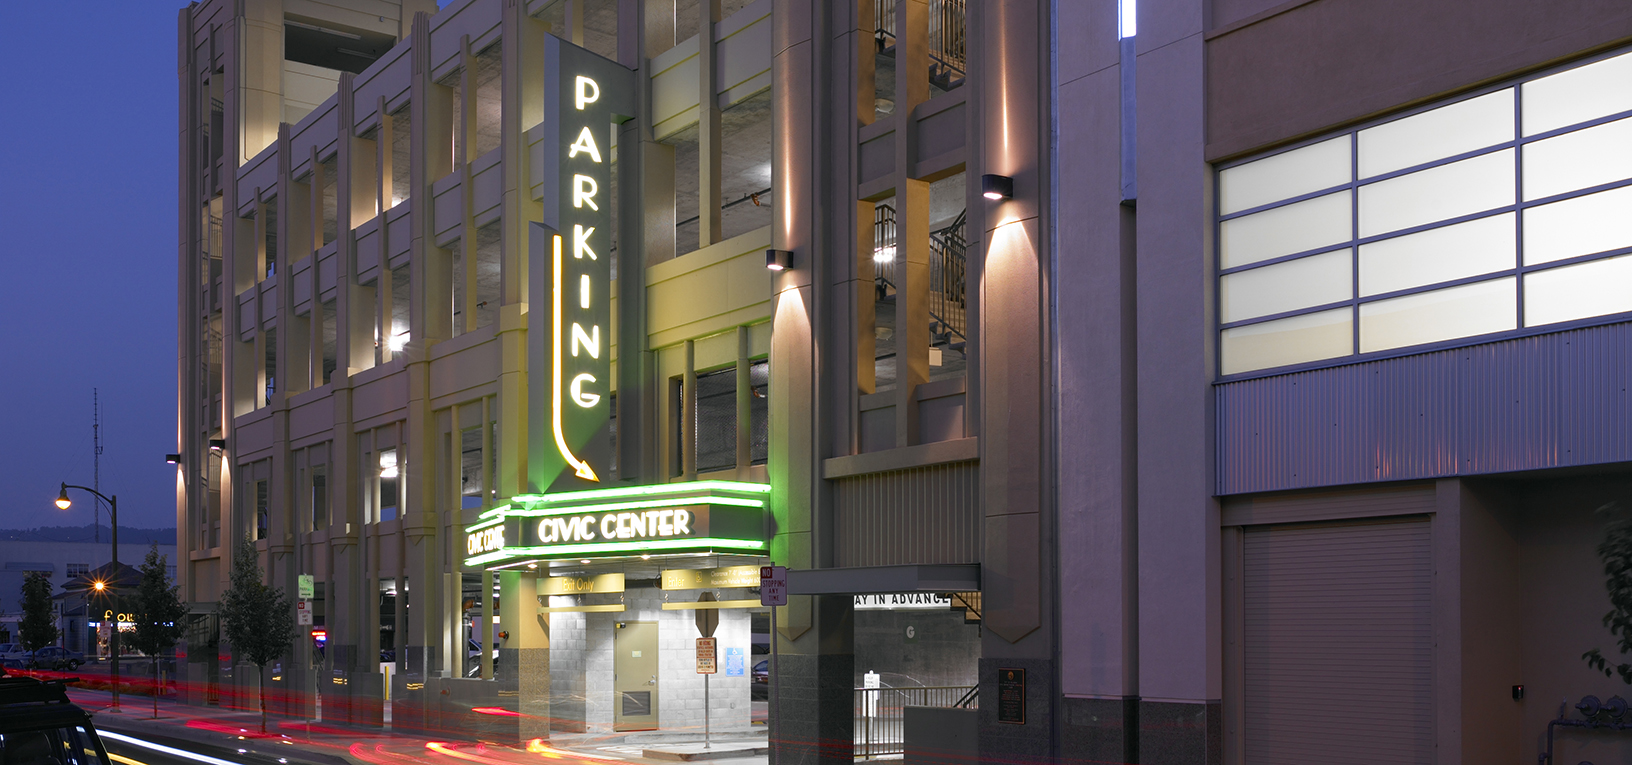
735,662
304,584
303,612
706,661
773,585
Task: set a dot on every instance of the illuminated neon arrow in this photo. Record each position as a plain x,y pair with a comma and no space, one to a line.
581,467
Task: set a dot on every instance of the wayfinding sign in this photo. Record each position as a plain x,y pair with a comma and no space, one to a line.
569,321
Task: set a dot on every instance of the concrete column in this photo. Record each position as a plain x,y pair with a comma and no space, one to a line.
646,234
1179,548
709,134
814,721
1009,136
429,133
688,416
355,310
1096,351
745,405
573,21
524,656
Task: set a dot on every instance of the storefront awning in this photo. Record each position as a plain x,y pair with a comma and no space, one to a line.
867,580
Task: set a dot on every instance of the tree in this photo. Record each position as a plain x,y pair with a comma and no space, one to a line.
38,628
259,619
1616,553
159,614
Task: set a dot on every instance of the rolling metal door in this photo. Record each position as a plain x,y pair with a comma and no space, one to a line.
1338,644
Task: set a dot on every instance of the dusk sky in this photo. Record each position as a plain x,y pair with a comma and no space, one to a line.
88,298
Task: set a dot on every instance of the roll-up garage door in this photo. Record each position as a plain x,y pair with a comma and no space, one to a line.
1338,644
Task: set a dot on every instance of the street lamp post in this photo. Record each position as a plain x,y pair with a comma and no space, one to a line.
113,519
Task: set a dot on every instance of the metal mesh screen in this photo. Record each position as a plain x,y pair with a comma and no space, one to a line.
717,420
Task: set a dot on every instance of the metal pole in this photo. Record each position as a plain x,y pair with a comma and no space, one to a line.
113,518
776,694
706,711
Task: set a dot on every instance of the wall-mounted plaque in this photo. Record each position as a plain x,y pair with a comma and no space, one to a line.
1011,696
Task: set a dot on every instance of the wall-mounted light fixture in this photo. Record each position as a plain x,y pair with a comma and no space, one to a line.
996,186
172,458
778,260
217,444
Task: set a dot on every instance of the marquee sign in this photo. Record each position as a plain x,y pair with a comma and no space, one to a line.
569,327
697,516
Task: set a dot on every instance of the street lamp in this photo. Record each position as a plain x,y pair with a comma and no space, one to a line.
63,503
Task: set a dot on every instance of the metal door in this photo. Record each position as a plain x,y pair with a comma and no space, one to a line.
634,680
1338,643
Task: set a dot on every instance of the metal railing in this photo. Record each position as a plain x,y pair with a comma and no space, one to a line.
948,274
880,714
948,38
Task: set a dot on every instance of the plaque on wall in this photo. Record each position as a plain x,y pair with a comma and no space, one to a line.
1011,696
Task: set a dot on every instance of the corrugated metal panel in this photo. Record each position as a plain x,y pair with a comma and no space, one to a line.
921,515
1544,401
1338,644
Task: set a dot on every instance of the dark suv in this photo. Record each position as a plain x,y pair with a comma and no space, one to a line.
38,724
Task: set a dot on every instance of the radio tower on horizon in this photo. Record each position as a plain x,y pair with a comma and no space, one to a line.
96,468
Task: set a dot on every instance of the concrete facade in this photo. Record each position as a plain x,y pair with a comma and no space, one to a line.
1030,388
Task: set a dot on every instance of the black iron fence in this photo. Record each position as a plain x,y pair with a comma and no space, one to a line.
880,714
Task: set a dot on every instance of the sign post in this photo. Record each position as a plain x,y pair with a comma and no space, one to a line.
707,664
773,592
306,585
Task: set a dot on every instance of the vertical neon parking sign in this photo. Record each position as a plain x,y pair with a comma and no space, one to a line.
569,323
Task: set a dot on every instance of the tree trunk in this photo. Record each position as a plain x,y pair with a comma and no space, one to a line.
261,678
157,686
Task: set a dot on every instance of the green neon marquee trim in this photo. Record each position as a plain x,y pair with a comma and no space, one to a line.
604,547
654,489
644,504
485,524
493,511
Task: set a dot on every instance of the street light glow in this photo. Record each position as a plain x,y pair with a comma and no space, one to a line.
100,586
62,498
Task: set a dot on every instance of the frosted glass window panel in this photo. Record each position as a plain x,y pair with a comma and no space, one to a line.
1307,225
1438,255
1581,291
1579,226
1465,311
1578,160
1448,191
1578,95
1292,340
1459,128
1302,283
1286,175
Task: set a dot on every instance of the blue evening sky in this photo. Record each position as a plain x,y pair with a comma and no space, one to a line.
88,141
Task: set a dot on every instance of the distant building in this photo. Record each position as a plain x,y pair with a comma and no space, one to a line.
62,562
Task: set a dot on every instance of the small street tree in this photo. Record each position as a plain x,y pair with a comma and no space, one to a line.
258,618
160,615
1616,553
38,628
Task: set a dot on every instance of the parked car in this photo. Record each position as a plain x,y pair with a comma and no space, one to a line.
39,724
760,688
57,657
13,652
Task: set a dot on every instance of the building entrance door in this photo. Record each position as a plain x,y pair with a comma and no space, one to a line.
634,681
